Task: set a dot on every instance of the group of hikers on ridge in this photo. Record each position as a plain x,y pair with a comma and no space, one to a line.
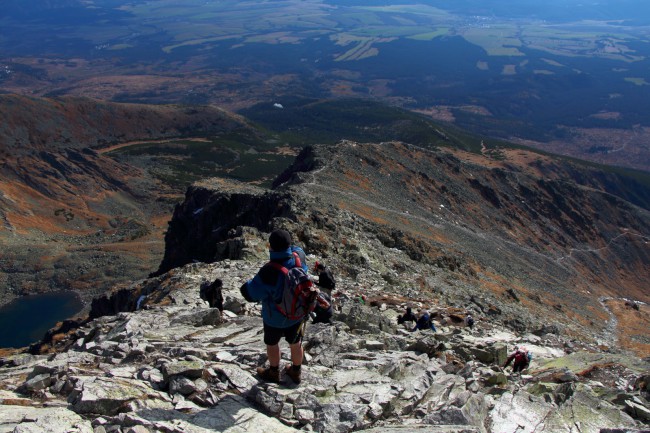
288,297
422,322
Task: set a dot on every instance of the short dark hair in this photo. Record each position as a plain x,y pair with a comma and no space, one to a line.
280,240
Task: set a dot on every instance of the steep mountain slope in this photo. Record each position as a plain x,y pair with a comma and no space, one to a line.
514,237
70,216
539,250
532,239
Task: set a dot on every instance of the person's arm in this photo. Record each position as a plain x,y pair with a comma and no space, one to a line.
256,290
509,360
245,293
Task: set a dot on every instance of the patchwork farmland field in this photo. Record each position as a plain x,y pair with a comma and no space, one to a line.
537,74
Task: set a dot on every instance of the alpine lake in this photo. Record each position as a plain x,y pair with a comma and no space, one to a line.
26,320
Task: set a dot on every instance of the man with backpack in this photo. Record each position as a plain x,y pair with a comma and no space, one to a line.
269,286
424,322
211,293
323,312
408,316
325,277
522,358
469,320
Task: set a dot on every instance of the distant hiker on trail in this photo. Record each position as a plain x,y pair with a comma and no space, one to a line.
521,357
325,277
408,316
424,322
469,320
270,287
211,293
323,311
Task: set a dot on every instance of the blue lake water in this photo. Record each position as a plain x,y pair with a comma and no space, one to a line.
26,320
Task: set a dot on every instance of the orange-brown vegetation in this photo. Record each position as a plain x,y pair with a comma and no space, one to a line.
633,325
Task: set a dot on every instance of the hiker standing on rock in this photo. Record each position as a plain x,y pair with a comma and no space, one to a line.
267,286
469,321
211,292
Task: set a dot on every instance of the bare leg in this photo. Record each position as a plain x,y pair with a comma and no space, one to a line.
296,353
273,352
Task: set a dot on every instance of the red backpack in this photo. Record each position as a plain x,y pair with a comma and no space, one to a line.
521,356
299,295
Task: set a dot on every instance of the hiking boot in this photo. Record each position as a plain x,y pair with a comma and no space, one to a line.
269,374
293,373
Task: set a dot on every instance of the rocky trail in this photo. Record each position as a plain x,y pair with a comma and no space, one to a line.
609,333
176,365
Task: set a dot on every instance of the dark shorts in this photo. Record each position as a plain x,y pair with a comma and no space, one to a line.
521,366
293,334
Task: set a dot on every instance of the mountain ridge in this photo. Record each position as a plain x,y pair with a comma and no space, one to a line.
356,199
539,259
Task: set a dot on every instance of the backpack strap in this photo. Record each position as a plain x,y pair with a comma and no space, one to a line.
279,267
296,258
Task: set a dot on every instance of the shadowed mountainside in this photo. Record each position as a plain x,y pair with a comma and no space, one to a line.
72,218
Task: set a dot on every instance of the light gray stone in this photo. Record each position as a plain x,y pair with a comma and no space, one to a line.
44,420
137,429
38,382
637,410
107,395
181,385
374,345
190,369
231,415
239,378
516,412
199,317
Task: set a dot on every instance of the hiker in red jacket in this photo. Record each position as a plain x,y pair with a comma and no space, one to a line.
521,358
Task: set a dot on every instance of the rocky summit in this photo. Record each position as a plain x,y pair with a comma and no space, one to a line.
556,266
